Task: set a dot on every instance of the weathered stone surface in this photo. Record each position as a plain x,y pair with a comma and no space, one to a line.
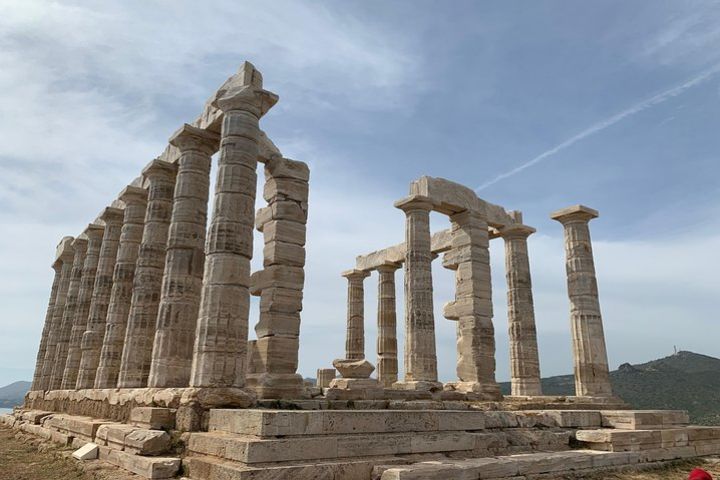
94,234
42,348
325,376
355,331
92,339
589,350
387,362
142,317
147,442
354,368
172,352
88,452
135,200
155,418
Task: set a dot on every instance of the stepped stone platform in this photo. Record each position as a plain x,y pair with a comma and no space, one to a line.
379,444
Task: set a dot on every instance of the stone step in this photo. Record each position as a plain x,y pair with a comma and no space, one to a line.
274,423
644,419
251,450
618,440
211,468
525,465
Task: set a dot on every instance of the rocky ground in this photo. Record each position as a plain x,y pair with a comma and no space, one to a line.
24,457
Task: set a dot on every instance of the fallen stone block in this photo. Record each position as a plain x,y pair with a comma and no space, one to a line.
154,418
147,442
87,452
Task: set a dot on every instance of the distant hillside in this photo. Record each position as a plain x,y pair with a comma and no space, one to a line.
683,381
13,394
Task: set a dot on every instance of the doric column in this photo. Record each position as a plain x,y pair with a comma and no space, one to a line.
524,361
40,359
94,234
281,281
325,376
95,331
135,199
65,256
355,333
221,340
140,332
591,364
387,362
472,307
80,247
420,355
182,279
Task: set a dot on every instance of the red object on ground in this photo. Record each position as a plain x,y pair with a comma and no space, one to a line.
699,474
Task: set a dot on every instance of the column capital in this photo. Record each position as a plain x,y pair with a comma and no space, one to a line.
414,202
388,267
516,231
575,213
80,243
159,168
188,137
94,231
247,98
355,274
131,195
112,215
65,251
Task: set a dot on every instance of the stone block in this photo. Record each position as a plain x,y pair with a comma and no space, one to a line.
147,442
284,231
277,276
279,189
154,418
353,368
282,253
148,467
281,300
278,323
575,418
87,452
285,168
280,353
113,435
281,210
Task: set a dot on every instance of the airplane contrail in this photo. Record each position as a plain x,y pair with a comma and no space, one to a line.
608,122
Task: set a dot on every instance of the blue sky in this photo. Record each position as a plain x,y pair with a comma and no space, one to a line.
618,100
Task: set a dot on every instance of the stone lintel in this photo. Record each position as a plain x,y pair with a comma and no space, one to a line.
189,137
575,212
132,194
415,202
79,240
354,273
440,242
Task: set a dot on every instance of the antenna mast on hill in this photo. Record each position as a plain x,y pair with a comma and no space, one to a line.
675,348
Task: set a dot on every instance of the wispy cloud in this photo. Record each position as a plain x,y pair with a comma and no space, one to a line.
606,123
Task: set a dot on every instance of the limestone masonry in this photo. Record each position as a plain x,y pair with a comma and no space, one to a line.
145,359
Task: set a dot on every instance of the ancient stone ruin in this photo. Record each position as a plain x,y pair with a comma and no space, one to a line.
145,360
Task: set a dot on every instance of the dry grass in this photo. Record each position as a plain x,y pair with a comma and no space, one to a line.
24,457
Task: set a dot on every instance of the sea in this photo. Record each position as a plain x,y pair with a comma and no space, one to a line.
5,410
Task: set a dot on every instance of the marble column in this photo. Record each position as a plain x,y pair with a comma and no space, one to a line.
65,256
140,332
40,359
94,234
420,355
524,359
80,247
185,259
325,376
387,362
592,377
355,333
220,349
472,307
135,199
92,339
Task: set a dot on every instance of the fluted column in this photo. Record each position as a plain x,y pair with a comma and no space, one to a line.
40,359
140,332
92,339
524,359
387,362
94,234
355,333
80,247
135,199
182,278
590,353
420,354
221,338
65,256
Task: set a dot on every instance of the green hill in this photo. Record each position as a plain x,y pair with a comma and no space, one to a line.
683,381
